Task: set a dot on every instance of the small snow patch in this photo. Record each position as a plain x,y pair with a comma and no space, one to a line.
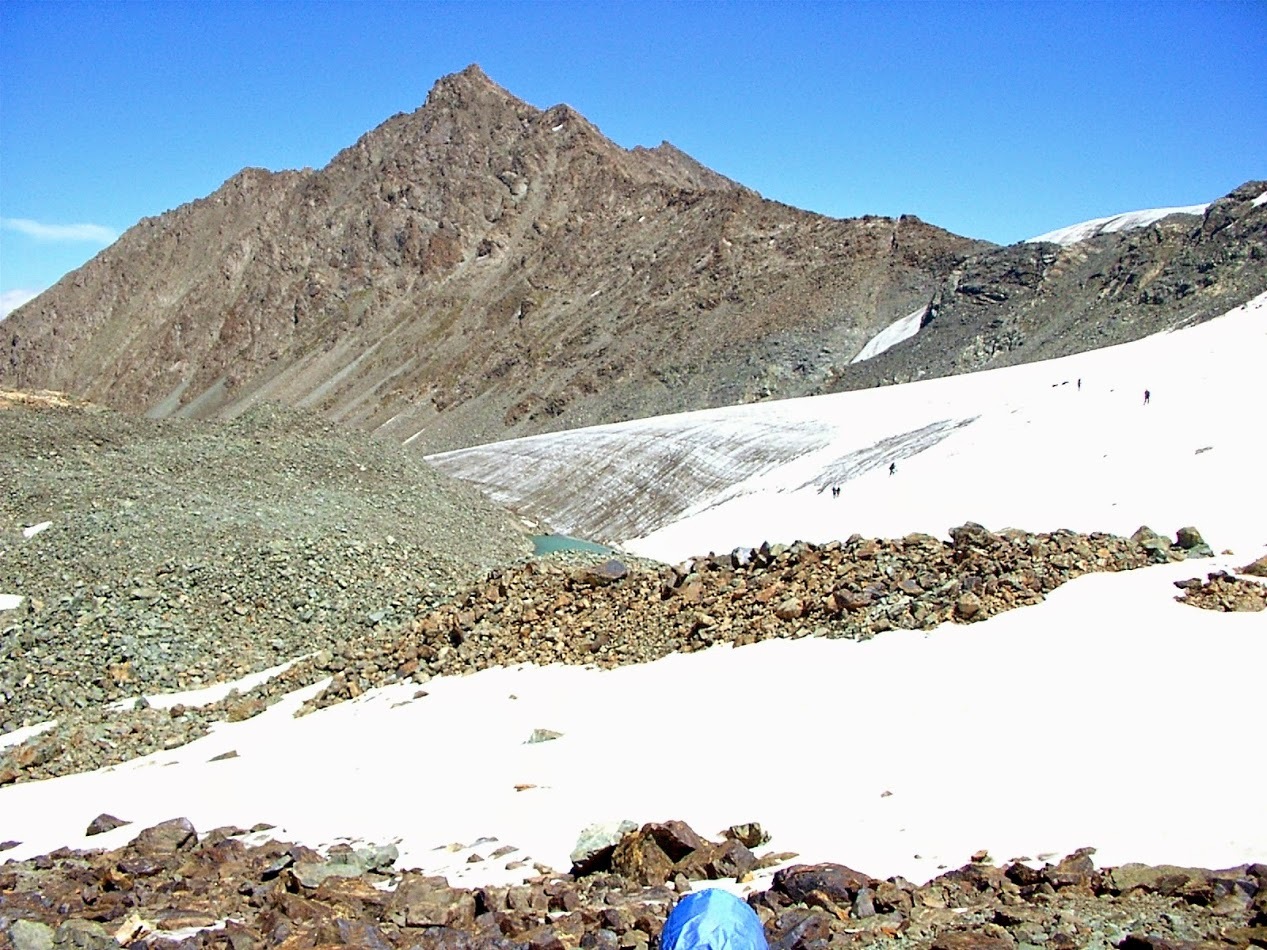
10,601
1260,200
207,694
18,736
892,335
1114,222
33,530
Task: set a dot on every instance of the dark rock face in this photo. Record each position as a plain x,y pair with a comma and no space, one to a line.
251,896
836,882
488,269
1033,302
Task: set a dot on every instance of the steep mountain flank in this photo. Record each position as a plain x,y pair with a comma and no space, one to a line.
475,270
1037,301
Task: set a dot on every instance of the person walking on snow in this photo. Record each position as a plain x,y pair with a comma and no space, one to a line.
1147,396
892,467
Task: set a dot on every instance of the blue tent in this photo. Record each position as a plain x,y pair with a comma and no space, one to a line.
712,919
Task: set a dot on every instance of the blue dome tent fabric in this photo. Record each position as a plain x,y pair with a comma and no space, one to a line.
712,919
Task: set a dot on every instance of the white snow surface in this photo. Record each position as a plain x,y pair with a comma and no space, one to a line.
10,601
1104,716
1060,443
1260,200
1114,222
206,695
901,329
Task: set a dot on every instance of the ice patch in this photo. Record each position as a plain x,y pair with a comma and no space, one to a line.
892,335
1114,222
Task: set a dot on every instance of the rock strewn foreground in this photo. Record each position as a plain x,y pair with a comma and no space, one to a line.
278,894
550,611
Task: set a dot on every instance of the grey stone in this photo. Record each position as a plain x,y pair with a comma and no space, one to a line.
542,735
103,823
597,842
31,935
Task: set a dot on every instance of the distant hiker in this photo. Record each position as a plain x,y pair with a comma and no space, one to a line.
712,919
1079,384
892,467
1147,396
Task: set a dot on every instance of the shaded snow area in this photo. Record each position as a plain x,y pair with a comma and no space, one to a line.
621,481
1114,222
1108,715
890,336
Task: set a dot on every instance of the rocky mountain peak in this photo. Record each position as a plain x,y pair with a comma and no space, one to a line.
469,87
481,268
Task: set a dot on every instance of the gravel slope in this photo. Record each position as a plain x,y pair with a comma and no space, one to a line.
183,553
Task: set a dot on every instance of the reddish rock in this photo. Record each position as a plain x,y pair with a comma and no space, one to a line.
838,882
422,901
640,859
103,823
168,837
964,940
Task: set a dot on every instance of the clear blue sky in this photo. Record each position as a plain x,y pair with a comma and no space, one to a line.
995,120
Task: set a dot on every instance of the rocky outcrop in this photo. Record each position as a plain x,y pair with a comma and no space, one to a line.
1031,302
220,891
1224,592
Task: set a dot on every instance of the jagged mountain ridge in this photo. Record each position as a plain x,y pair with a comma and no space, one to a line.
475,270
481,269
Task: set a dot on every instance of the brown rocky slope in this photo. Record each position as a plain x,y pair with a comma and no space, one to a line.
474,270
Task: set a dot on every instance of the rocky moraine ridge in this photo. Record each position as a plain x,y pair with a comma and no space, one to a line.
611,613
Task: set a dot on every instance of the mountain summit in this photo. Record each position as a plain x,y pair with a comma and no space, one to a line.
481,268
475,269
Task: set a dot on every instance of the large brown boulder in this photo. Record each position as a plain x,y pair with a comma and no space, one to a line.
168,837
838,882
423,901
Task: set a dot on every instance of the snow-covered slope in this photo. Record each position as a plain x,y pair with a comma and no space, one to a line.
1062,443
1114,222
